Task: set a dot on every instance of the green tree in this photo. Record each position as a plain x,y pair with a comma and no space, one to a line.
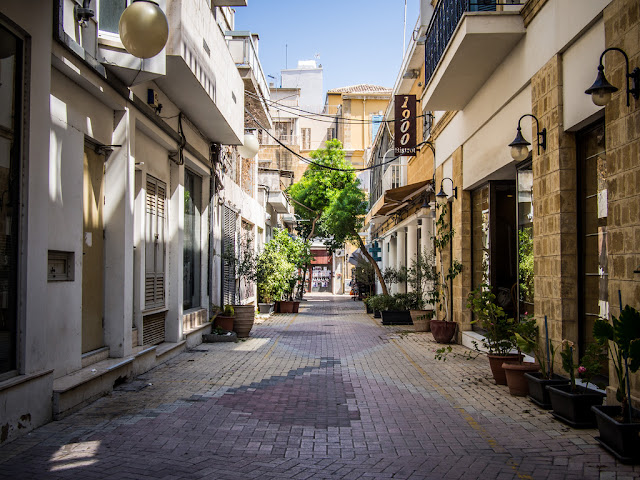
332,203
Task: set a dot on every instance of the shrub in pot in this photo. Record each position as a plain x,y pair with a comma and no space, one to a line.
499,339
619,426
572,404
515,371
224,320
528,340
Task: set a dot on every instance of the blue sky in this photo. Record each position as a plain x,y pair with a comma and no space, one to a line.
358,41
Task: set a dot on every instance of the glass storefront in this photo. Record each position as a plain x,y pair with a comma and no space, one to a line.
592,218
525,239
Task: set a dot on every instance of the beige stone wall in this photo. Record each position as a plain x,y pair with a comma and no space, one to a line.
622,126
555,209
461,245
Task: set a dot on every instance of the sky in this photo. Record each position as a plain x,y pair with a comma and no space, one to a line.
356,41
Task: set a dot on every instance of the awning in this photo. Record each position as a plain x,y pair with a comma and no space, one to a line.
397,198
356,257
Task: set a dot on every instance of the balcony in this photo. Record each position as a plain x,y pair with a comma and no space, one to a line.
466,41
244,51
202,78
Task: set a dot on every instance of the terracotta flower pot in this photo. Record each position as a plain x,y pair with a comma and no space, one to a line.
516,381
443,331
495,362
224,322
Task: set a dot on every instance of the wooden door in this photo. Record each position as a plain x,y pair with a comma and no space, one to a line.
93,251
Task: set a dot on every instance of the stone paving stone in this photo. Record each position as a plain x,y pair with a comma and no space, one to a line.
324,394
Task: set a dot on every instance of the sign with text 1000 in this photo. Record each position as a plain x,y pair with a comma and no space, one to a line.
405,125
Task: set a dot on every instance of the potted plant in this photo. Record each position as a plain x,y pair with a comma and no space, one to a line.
375,302
393,309
225,319
515,371
619,426
571,403
499,339
443,330
544,354
421,276
243,263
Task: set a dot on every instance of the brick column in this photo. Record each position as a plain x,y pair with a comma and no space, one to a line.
622,127
555,209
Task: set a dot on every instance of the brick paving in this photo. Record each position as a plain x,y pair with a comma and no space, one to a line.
326,393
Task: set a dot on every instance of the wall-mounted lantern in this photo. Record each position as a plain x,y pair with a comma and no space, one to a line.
601,89
144,29
520,146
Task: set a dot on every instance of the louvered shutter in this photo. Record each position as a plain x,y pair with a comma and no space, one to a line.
155,248
228,244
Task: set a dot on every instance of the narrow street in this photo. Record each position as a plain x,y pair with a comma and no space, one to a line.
326,393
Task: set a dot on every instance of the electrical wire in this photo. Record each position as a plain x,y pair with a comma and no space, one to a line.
311,162
333,118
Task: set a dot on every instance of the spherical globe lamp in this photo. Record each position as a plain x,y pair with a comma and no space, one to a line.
144,29
250,147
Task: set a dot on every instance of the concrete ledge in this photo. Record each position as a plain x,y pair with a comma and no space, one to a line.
167,350
25,402
95,356
144,359
74,391
194,336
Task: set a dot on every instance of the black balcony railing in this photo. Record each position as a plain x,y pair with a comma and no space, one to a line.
445,19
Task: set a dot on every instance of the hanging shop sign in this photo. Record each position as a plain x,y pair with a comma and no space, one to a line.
405,125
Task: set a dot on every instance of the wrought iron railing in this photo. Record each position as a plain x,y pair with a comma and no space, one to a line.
445,19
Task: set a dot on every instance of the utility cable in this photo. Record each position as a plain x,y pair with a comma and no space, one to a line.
327,167
332,118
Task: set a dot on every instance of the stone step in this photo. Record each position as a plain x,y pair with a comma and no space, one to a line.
77,389
168,350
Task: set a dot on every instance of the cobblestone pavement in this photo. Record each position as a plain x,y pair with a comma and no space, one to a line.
326,393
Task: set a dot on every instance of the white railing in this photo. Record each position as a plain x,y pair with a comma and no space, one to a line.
243,52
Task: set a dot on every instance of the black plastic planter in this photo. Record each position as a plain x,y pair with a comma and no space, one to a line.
397,318
369,309
376,314
574,409
621,439
538,392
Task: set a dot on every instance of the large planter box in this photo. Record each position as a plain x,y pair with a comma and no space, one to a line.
574,409
621,439
243,322
538,392
265,308
377,314
396,318
420,323
215,338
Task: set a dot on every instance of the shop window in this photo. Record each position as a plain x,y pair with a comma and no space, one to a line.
494,243
525,239
592,196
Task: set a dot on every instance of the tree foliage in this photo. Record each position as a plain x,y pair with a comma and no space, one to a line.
331,201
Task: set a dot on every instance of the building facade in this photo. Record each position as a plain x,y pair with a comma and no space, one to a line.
553,233
114,169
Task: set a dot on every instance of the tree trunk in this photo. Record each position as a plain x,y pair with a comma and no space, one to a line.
376,268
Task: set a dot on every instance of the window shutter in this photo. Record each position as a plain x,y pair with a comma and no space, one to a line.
228,244
155,247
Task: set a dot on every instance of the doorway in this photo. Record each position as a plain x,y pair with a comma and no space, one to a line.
93,251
